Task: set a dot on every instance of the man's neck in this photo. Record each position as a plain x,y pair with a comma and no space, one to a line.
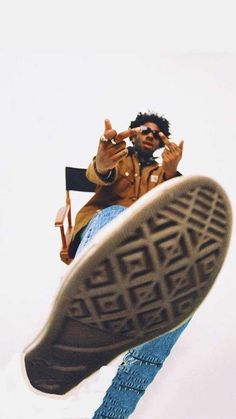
145,160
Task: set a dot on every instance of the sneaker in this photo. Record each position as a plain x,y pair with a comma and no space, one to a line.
140,277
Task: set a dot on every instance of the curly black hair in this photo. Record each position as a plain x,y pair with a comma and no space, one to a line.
162,122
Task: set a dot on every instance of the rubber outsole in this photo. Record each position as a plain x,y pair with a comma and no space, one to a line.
143,275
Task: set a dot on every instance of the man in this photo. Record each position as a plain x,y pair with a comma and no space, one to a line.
139,280
142,363
131,171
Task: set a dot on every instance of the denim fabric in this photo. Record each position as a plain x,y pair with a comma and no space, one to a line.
99,220
141,364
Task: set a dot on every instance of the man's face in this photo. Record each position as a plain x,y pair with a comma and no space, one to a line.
145,143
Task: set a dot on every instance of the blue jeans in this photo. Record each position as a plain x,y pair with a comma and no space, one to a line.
141,364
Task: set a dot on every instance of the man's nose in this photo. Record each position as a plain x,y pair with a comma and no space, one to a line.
150,136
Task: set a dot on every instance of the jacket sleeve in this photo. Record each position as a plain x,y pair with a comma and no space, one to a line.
176,175
98,179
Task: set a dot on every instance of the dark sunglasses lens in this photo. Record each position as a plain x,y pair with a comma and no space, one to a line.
156,135
146,131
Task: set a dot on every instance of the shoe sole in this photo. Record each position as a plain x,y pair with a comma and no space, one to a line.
140,277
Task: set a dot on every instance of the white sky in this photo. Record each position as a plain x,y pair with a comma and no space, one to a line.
64,67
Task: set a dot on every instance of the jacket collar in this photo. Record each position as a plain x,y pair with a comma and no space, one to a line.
145,161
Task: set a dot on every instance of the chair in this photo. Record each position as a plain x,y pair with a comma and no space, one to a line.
75,181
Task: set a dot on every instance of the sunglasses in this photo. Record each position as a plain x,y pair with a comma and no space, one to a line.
146,130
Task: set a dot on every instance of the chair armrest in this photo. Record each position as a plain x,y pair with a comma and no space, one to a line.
59,222
61,215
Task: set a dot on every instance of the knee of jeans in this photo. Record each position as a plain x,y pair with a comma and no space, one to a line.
106,215
111,209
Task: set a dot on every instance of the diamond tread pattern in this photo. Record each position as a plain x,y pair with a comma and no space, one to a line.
183,241
150,284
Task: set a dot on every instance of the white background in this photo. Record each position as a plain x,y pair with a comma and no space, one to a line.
64,67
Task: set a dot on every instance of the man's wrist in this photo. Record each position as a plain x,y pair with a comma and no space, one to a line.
170,175
105,175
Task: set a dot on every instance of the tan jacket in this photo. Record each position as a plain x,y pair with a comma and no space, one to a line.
128,185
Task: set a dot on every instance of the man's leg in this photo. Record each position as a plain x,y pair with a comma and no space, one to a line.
99,220
138,369
142,363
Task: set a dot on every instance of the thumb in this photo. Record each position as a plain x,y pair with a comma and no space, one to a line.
181,145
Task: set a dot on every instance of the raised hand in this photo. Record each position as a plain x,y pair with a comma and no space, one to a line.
112,147
171,156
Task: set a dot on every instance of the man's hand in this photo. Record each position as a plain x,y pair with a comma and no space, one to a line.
171,156
113,150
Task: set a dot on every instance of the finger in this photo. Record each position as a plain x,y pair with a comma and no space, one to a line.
173,147
181,145
165,140
112,149
127,133
135,131
165,159
107,123
110,134
115,148
121,136
168,151
164,155
120,155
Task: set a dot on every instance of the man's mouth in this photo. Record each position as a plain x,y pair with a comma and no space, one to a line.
147,145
